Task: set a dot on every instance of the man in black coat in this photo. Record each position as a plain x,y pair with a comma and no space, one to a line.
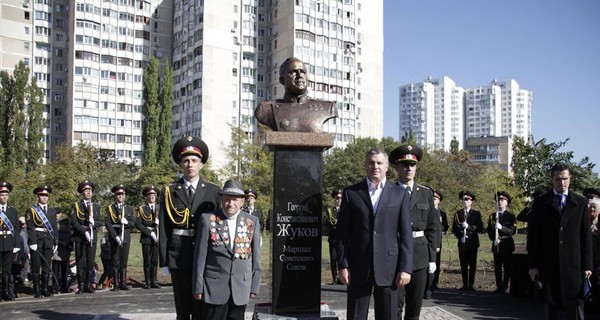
405,159
146,220
86,218
377,247
183,203
466,227
442,220
559,246
43,240
502,225
120,220
10,241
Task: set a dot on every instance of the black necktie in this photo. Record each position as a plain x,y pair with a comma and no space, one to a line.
190,193
409,190
44,209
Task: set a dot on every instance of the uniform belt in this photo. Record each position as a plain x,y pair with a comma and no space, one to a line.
418,234
41,229
5,233
505,237
117,226
184,232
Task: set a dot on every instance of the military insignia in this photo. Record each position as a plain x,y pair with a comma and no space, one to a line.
179,187
189,138
409,147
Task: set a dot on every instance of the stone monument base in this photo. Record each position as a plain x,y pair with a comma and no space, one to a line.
263,311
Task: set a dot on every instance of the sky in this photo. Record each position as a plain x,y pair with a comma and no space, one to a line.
551,47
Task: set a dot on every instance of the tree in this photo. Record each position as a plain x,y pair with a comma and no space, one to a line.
166,115
151,126
35,126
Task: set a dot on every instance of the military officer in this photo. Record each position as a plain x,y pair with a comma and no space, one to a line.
466,227
119,223
405,158
86,218
432,281
331,219
502,225
10,241
43,240
183,203
146,220
251,196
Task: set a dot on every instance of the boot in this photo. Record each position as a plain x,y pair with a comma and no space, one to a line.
45,282
79,283
123,280
153,280
116,284
36,285
6,295
88,283
146,279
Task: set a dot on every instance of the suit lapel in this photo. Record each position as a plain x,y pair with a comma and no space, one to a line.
223,230
364,194
385,193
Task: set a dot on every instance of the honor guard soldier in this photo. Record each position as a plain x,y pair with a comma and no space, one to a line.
10,241
251,196
405,159
183,203
147,222
43,240
119,223
466,227
86,218
331,220
502,225
432,282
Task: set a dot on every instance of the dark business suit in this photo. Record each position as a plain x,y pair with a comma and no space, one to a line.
559,245
177,238
45,239
376,246
502,252
467,250
423,220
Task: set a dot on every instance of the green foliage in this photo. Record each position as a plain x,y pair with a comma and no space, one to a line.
166,115
151,126
35,125
531,164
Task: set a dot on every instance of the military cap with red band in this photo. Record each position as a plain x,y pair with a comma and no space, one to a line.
149,189
466,195
406,153
503,195
189,145
42,190
85,185
5,187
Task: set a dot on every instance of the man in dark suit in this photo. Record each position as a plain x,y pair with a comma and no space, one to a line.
502,225
251,196
43,240
146,220
86,218
432,281
466,227
227,257
377,245
559,246
424,228
183,203
120,220
10,241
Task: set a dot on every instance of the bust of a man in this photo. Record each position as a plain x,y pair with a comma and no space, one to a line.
295,112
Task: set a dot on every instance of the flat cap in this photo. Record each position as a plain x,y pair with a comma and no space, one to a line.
336,193
248,192
438,194
42,190
118,189
503,195
466,194
149,189
5,187
190,146
406,153
85,185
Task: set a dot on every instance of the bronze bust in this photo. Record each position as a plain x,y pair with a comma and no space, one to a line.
296,112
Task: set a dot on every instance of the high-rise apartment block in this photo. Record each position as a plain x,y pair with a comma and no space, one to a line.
437,112
89,58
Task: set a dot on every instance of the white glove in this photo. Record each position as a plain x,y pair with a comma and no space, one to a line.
165,270
498,225
88,236
465,224
54,249
123,220
15,250
91,220
153,236
119,241
33,247
432,267
156,221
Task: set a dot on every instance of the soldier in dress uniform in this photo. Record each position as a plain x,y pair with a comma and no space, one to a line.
502,225
43,240
251,196
120,220
466,227
146,220
86,218
331,219
433,280
10,241
405,159
183,203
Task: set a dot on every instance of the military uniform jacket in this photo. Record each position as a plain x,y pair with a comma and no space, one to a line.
13,240
560,246
423,219
443,225
475,227
258,214
221,271
331,223
36,228
177,251
144,221
80,221
509,228
113,222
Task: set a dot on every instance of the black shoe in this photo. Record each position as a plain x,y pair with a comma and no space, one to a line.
46,293
124,287
146,285
155,285
464,288
471,289
37,294
89,289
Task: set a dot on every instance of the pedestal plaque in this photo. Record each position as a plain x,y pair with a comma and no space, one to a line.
297,207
